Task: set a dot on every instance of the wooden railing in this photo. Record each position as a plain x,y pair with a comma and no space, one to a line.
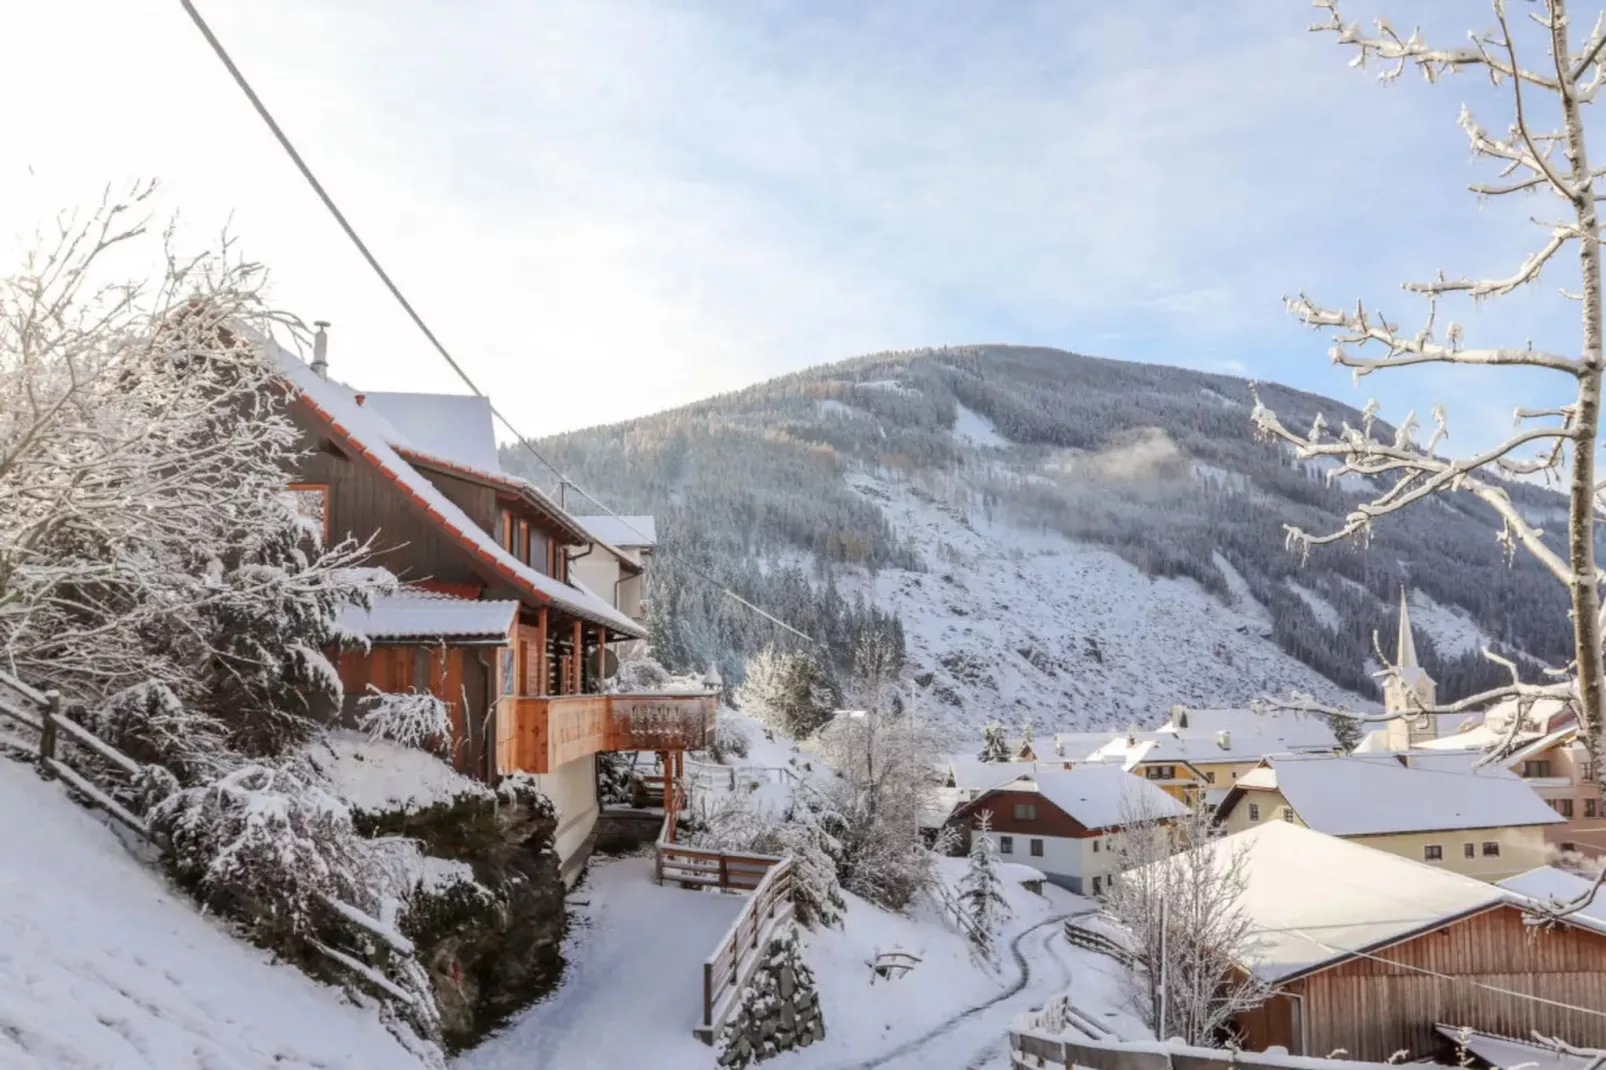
743,946
1095,941
537,734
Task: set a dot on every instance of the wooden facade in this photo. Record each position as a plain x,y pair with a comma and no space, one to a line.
458,675
538,734
1004,804
1390,999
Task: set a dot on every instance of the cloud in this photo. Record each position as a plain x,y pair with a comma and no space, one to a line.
607,207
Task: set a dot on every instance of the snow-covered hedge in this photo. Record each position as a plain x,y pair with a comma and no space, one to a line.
378,776
411,718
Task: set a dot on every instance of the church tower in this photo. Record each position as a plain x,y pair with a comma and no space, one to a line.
1409,689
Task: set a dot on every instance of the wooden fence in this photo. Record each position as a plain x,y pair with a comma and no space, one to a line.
1095,941
393,970
743,946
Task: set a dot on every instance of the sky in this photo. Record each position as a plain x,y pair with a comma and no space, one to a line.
610,207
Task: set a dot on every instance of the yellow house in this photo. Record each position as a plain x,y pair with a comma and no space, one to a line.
1483,823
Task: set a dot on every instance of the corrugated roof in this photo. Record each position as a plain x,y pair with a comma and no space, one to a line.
1355,796
453,427
626,532
1314,898
372,434
420,614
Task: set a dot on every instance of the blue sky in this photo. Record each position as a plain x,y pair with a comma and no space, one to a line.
607,207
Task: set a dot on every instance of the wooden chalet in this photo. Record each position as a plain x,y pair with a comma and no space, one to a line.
1370,952
489,618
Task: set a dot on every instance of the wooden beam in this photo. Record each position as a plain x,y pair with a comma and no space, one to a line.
577,656
543,672
602,654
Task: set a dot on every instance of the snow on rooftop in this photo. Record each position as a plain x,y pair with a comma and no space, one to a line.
1104,796
453,427
1356,796
369,429
378,776
973,774
1548,884
421,614
1507,1053
625,532
1314,897
1287,730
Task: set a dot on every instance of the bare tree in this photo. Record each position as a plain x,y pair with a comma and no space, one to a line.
1177,893
1542,151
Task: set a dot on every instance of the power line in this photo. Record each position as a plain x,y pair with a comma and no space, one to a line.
418,320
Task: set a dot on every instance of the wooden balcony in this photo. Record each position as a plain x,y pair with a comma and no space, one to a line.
538,734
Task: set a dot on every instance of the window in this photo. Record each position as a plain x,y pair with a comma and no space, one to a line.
1567,848
1491,849
1591,807
1288,814
1564,807
1432,853
1095,846
1587,771
1536,767
1210,778
1098,886
1006,845
1469,850
1161,772
1254,811
1025,811
310,503
1037,848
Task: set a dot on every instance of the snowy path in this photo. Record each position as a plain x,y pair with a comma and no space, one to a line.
632,988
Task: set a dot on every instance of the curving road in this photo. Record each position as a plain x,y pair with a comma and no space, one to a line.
979,1031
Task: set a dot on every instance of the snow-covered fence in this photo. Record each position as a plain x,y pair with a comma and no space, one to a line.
1082,937
741,950
1056,1039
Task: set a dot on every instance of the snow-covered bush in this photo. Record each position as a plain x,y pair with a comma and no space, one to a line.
730,741
789,691
614,780
150,724
265,846
981,891
735,822
412,718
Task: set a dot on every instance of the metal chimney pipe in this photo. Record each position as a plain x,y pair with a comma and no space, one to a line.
320,350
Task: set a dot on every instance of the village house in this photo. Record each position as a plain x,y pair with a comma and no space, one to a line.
1064,821
490,618
1483,823
614,565
1370,952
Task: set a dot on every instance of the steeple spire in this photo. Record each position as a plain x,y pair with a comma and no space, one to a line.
1405,658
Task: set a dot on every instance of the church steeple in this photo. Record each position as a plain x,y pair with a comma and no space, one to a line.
1408,689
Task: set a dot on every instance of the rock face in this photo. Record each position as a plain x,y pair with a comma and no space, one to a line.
778,1011
489,929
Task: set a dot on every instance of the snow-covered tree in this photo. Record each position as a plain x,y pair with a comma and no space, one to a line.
737,822
1346,730
994,745
790,691
981,891
1543,151
414,718
144,451
1178,892
1027,739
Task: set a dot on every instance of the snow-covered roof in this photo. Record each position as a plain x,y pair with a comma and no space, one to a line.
1314,898
626,532
1190,745
1103,796
1288,730
1547,883
1363,796
371,434
415,614
453,427
1073,746
1507,1053
972,774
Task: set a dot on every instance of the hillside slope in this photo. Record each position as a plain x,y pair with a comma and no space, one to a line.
1055,537
103,967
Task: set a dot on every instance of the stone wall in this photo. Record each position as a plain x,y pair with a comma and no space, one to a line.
778,1010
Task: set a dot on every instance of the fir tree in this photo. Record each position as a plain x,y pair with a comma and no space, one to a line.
994,747
981,892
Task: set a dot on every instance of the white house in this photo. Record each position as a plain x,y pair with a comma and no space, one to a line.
1062,820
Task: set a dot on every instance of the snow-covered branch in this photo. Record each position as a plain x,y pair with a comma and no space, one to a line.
1360,327
1390,47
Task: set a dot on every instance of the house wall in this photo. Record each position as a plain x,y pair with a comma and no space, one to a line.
1521,849
1072,854
572,787
452,674
1269,804
1373,1009
1568,766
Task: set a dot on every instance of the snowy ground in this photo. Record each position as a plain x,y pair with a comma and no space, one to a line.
1018,625
633,987
103,966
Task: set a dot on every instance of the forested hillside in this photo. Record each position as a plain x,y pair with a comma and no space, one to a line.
999,503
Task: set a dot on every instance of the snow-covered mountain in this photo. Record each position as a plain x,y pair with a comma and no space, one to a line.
1056,538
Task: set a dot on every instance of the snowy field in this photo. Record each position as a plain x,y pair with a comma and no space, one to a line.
633,990
103,967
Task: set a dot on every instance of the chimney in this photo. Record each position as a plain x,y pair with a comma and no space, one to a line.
1179,716
361,398
1224,740
320,350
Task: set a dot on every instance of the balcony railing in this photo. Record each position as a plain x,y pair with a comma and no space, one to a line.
539,734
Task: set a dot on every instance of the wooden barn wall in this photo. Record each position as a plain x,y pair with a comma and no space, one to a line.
1373,1009
445,672
364,504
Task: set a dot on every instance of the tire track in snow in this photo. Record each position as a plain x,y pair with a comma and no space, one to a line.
1014,989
